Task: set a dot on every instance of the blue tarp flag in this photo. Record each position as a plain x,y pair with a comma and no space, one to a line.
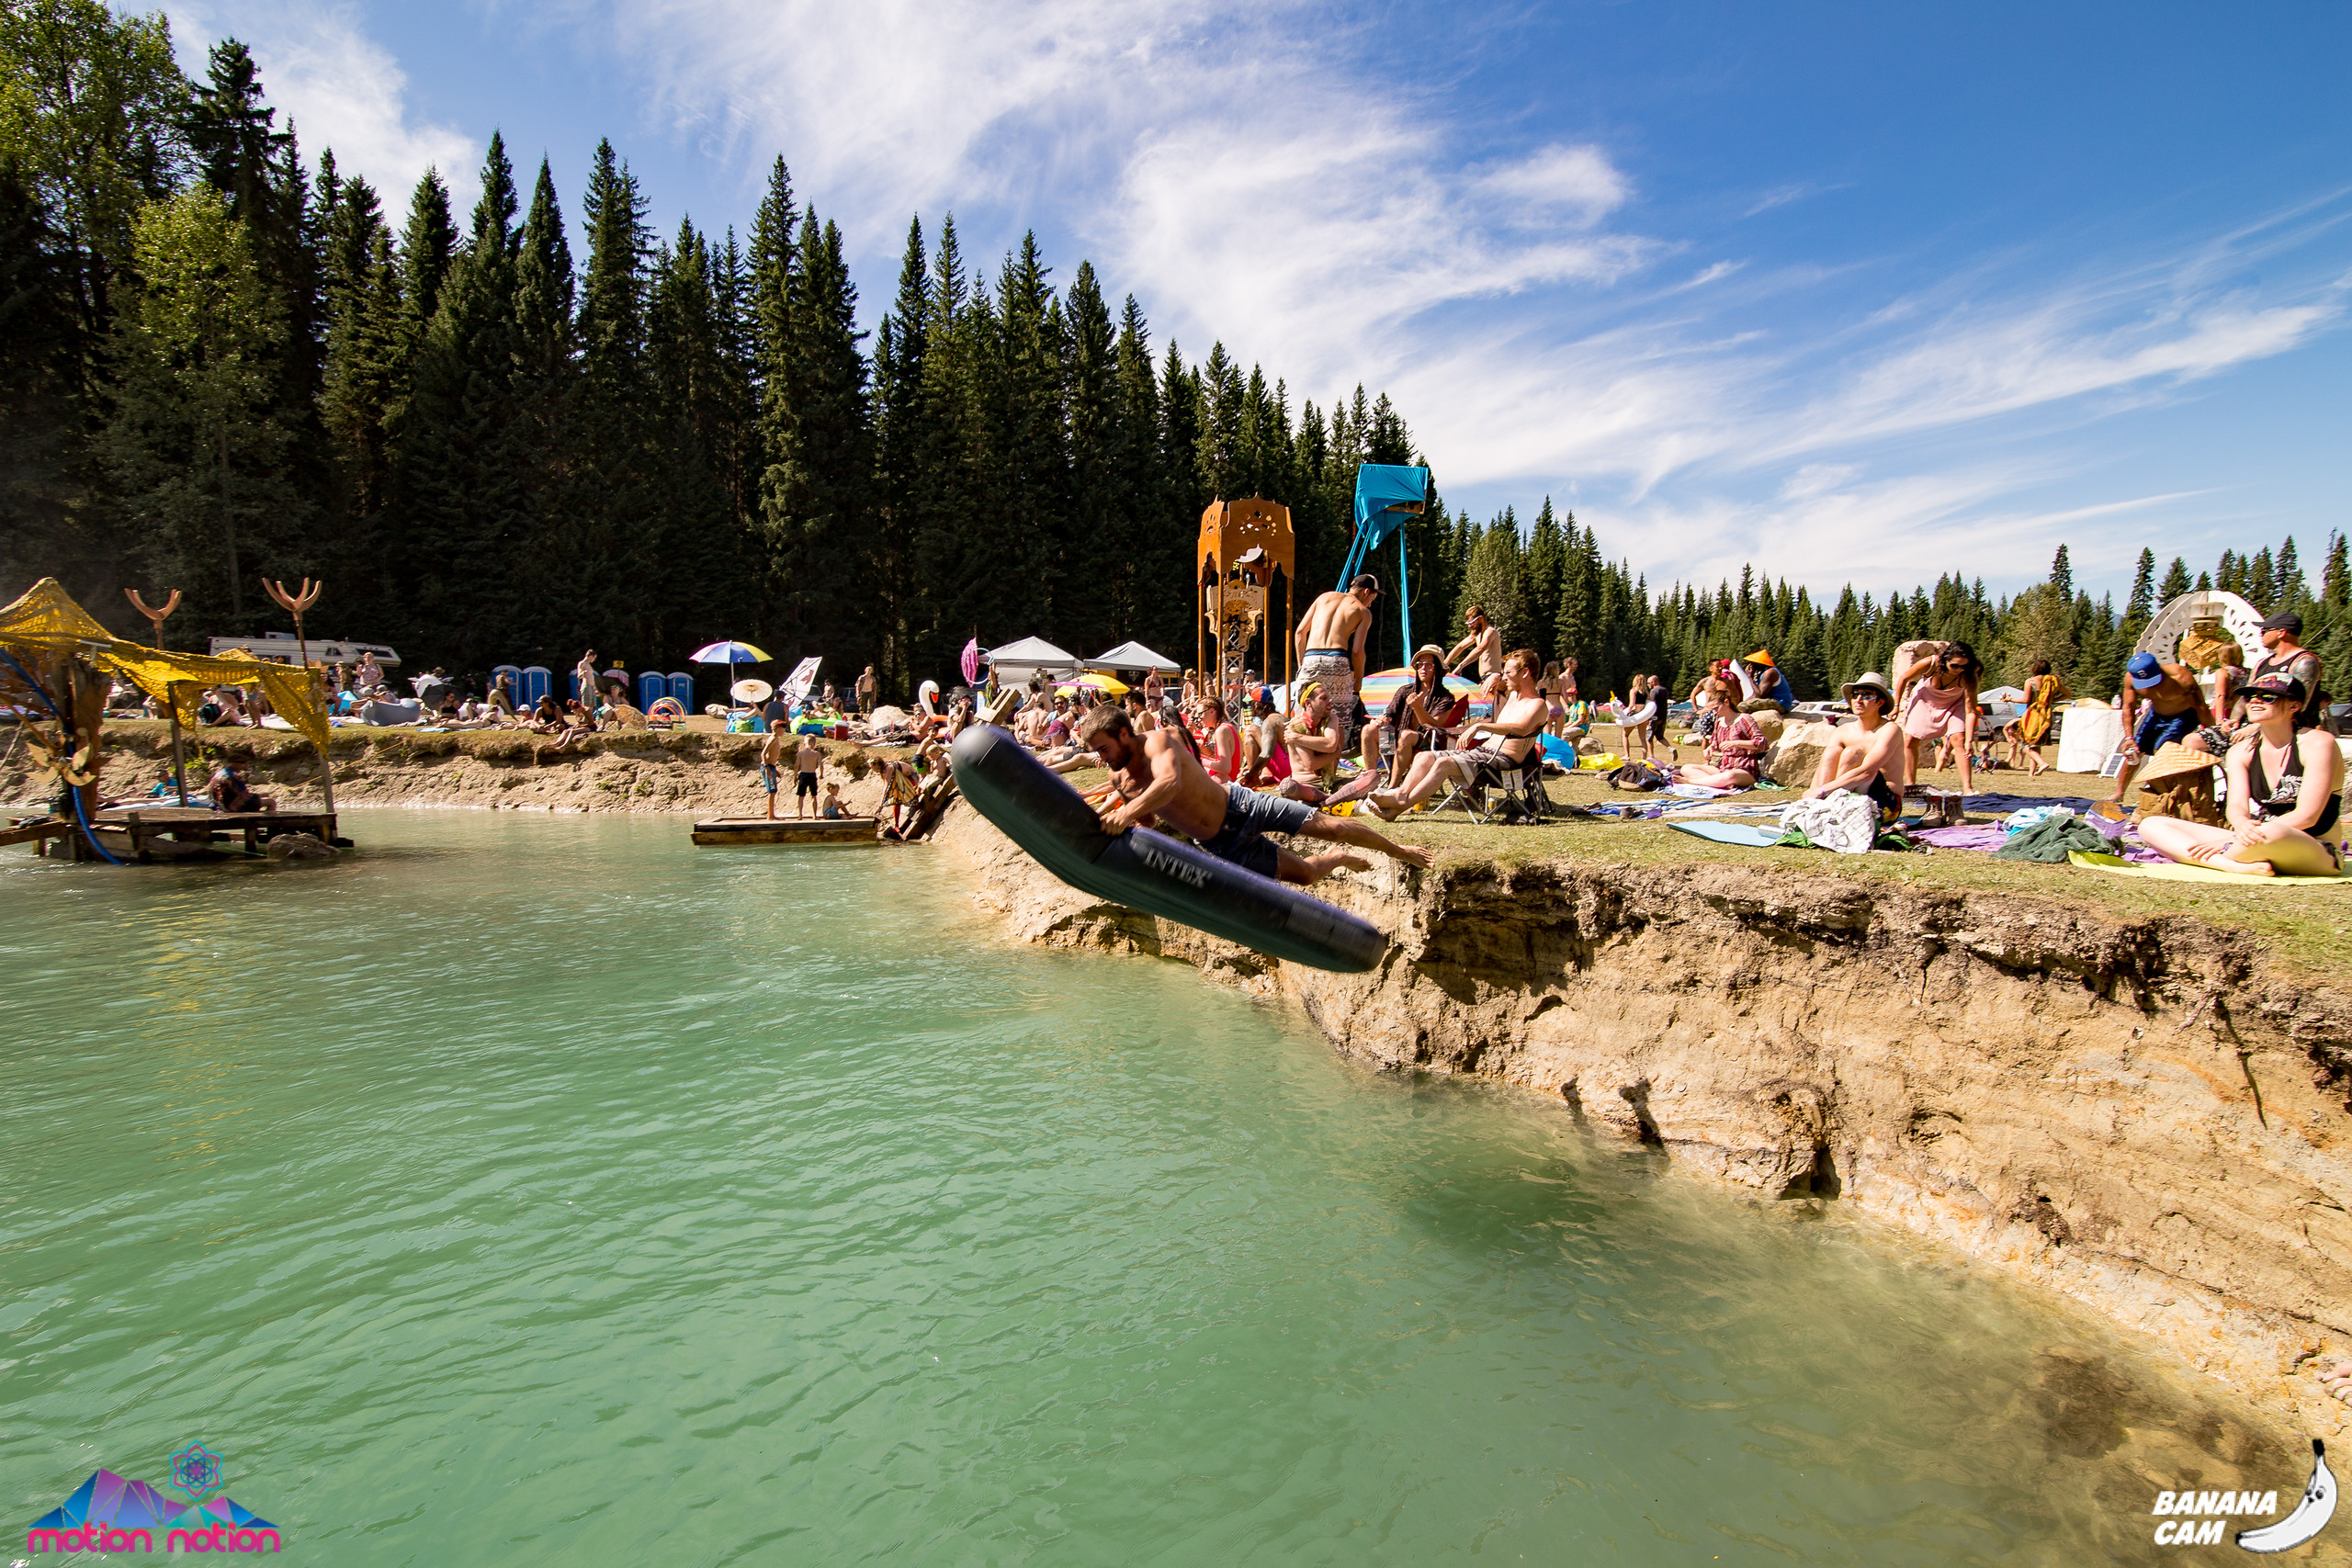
1380,488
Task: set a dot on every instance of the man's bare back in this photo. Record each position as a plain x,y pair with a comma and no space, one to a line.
1335,620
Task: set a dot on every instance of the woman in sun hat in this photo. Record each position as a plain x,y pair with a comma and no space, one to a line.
2286,789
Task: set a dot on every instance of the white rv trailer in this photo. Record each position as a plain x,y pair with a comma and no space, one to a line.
280,648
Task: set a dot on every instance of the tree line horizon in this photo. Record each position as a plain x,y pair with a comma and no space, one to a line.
219,363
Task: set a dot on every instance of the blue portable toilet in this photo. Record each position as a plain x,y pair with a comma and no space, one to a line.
681,689
650,689
537,682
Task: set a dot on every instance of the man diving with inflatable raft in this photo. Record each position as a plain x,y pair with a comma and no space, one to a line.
1158,778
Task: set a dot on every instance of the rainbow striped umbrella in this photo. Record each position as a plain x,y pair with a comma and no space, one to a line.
1377,689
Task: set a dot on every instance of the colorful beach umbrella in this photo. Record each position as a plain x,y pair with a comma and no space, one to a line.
970,663
1096,679
1379,688
730,653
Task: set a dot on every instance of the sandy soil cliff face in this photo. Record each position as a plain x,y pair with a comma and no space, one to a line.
2135,1114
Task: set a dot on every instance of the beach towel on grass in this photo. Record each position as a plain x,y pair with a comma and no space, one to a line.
1844,822
2052,839
2173,871
1744,833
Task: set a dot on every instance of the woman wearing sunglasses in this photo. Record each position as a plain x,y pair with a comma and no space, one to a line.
2286,790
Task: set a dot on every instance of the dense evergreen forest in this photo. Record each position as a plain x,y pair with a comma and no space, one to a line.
218,362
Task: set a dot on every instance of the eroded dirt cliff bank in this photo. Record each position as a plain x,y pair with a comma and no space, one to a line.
2139,1113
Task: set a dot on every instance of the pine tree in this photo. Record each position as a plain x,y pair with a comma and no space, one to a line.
2335,579
2287,577
200,447
821,474
43,408
459,502
2062,574
2175,582
904,443
428,250
1540,587
2261,587
1103,595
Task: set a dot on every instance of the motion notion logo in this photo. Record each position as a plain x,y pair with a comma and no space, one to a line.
112,1513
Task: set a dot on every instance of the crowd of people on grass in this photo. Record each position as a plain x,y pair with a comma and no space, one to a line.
1317,764
1282,766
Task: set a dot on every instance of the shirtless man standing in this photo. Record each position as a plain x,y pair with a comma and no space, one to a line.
809,761
1869,756
1161,781
1330,646
2175,709
1486,639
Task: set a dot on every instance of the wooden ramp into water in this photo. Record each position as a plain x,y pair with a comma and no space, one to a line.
788,830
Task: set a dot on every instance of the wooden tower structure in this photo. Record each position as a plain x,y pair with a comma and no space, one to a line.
1243,543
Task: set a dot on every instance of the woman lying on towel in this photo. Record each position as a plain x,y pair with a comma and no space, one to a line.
1734,745
2285,787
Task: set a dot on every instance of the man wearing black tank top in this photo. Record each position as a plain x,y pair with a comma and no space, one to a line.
2284,656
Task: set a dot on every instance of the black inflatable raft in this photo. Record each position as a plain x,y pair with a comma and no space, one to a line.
1149,871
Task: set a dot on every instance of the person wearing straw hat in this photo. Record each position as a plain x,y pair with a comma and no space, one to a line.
2286,789
2178,781
1868,756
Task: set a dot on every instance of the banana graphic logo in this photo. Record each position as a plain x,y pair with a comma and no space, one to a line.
2311,1515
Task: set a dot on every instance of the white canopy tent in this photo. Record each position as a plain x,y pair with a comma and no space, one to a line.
1135,657
1016,661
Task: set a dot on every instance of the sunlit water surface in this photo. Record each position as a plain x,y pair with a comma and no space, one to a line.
552,1192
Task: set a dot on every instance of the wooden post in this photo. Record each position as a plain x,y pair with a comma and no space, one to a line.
294,604
171,700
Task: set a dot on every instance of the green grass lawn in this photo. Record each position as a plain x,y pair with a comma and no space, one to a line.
2309,927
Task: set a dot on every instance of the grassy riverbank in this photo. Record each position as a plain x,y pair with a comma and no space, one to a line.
2308,928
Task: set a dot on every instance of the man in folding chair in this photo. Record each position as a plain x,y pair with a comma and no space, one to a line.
1497,751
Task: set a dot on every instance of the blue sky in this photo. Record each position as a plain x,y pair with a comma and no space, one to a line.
1860,293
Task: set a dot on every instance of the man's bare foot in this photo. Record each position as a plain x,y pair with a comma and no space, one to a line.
1386,809
1413,854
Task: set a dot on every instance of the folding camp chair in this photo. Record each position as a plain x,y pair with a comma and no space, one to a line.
1503,792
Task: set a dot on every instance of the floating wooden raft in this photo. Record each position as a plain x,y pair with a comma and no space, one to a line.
788,830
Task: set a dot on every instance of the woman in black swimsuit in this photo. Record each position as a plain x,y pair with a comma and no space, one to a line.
2286,786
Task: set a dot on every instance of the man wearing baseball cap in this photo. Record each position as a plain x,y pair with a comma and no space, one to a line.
2283,654
2174,708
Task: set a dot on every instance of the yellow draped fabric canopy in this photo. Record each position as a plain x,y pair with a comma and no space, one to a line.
47,618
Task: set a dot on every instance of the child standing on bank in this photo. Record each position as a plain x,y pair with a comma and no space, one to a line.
811,761
771,760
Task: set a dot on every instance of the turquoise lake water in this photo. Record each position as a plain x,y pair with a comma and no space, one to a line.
547,1191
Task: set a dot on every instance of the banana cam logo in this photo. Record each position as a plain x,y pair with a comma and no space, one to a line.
110,1513
2312,1510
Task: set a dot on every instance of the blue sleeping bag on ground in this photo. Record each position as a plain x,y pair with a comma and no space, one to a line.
1035,807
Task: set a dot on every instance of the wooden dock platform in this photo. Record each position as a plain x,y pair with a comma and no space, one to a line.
189,829
788,830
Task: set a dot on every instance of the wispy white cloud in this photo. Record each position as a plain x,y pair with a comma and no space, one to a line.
340,88
1534,317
